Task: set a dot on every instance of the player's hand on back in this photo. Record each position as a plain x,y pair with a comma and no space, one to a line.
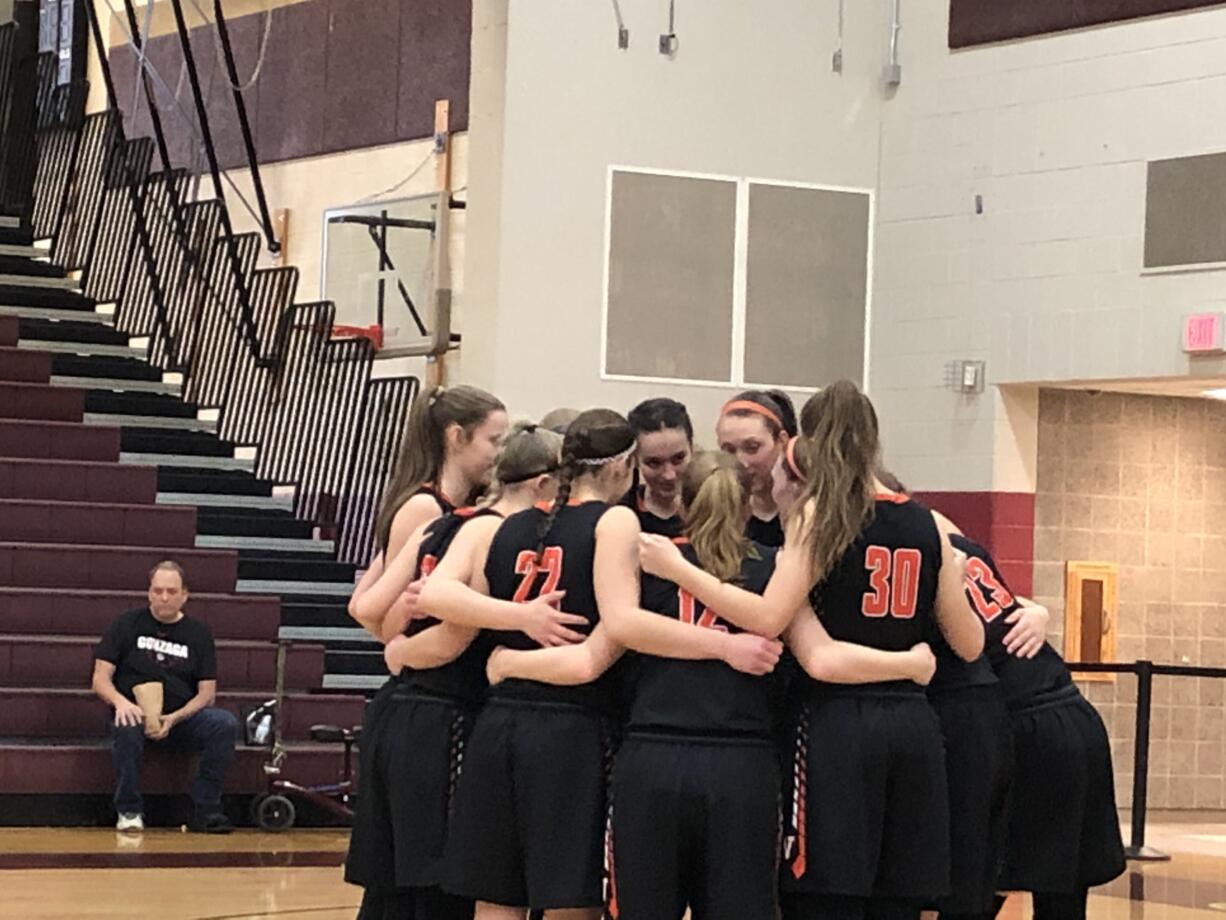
1029,630
548,625
752,654
659,555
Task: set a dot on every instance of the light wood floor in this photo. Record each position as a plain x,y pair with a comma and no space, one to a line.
1192,886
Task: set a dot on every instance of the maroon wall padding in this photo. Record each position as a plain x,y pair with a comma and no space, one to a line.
10,330
55,565
1001,522
58,661
74,481
25,366
42,611
41,401
86,769
24,521
337,75
77,714
58,441
978,22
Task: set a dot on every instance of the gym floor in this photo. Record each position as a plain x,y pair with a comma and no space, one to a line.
69,874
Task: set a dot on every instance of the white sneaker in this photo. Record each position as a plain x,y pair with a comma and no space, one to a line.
132,823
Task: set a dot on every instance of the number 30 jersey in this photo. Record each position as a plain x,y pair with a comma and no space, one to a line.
516,572
882,592
703,697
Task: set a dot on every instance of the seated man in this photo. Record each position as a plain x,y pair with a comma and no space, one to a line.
159,649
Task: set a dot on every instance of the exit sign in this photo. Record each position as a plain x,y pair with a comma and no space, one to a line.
1204,333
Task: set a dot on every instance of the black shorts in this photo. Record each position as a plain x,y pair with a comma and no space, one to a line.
695,823
979,764
529,820
1064,830
413,904
415,762
360,869
866,808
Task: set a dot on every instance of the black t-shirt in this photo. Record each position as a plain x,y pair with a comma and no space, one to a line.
515,572
765,533
464,678
178,655
703,697
649,521
1021,679
882,592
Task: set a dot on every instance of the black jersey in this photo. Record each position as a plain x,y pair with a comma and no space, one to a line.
1021,679
515,572
445,504
882,592
650,522
702,697
765,533
464,678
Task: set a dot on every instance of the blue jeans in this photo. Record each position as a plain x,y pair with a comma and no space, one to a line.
211,733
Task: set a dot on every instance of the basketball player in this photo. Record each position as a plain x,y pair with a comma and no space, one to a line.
419,747
754,427
869,797
449,448
530,808
1063,832
665,439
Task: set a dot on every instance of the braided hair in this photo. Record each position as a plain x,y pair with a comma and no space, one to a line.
594,438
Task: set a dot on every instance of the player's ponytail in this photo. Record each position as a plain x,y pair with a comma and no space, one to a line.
841,454
715,501
424,448
595,438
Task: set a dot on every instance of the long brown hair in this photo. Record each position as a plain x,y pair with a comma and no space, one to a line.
842,453
774,407
594,437
425,444
714,496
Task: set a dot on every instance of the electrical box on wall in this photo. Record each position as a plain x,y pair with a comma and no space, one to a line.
965,376
1204,333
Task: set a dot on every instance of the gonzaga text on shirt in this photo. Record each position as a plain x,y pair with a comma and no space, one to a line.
161,646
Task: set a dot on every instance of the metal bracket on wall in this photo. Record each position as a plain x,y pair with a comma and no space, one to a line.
668,40
623,34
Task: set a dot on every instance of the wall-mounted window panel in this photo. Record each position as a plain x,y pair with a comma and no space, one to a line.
1185,199
806,285
733,282
671,259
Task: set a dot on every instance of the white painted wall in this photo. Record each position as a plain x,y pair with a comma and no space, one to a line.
1046,284
749,92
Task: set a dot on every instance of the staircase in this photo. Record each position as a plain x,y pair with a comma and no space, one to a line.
162,397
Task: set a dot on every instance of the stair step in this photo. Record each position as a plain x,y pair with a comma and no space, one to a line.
114,367
216,482
39,281
27,266
157,422
77,481
308,589
130,403
34,440
81,612
31,294
9,223
304,569
108,524
269,544
241,522
118,384
325,634
72,333
57,314
363,682
85,349
188,443
14,236
317,613
216,500
354,661
56,565
187,461
12,251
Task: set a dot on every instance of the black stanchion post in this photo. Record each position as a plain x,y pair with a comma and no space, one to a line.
1140,766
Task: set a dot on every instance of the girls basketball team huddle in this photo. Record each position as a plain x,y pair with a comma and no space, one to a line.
635,678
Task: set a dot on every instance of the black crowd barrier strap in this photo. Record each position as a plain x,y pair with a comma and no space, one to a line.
1145,672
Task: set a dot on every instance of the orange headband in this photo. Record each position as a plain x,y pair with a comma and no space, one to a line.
789,454
746,405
